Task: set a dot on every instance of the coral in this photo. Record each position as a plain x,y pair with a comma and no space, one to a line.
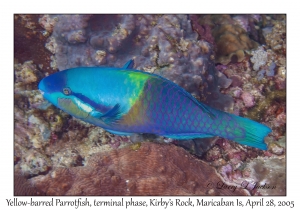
258,111
204,30
33,162
65,158
260,94
275,148
165,45
213,154
26,76
29,42
250,168
229,35
167,170
22,186
242,21
248,99
268,172
25,73
47,23
263,100
252,24
259,58
29,129
231,42
276,36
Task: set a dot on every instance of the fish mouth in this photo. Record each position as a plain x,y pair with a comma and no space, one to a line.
42,92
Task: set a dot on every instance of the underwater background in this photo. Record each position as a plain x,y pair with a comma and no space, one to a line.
235,63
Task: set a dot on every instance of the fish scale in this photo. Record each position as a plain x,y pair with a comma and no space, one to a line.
125,101
174,111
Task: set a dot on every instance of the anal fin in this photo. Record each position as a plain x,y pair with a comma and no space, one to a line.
187,136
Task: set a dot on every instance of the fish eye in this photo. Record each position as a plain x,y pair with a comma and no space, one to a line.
67,91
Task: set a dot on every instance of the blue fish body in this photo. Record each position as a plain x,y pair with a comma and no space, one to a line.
125,101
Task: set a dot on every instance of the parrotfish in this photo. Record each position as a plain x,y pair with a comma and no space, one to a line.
125,101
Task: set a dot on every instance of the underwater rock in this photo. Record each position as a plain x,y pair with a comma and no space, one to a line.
167,170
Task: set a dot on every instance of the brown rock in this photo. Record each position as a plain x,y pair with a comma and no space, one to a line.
153,169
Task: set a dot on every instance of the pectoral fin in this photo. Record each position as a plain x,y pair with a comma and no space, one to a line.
108,117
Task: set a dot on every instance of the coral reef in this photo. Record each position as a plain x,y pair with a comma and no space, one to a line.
259,91
165,45
165,170
262,173
32,162
229,35
204,30
276,36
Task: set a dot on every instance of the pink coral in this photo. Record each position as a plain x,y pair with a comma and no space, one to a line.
248,99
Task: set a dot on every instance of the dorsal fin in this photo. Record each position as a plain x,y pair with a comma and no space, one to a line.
129,64
203,107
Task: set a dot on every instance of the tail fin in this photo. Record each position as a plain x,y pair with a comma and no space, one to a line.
254,133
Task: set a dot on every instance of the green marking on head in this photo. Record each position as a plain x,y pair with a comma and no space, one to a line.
136,80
